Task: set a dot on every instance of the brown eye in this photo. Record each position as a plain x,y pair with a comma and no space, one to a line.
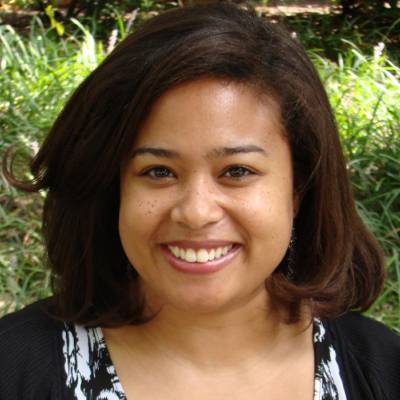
238,172
158,173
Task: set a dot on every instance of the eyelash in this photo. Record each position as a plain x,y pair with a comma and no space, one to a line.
148,172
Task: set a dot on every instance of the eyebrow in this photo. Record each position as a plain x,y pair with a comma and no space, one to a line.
215,153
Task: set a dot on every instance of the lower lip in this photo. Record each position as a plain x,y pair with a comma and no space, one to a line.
200,268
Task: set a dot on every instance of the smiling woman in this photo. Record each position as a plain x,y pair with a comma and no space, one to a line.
216,185
201,230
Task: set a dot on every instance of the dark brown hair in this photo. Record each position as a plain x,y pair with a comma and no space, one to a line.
337,264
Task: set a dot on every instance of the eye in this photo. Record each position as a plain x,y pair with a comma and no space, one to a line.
238,172
158,172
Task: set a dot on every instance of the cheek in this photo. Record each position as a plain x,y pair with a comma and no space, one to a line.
267,207
137,216
138,219
267,216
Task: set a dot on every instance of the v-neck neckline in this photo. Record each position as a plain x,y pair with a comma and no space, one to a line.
89,351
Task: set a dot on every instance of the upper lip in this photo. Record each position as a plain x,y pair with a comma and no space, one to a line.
206,244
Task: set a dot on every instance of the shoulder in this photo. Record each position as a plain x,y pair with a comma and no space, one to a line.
370,352
366,335
29,327
32,313
29,347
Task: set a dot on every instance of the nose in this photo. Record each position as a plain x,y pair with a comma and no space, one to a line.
197,206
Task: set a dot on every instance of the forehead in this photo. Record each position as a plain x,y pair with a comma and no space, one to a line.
210,110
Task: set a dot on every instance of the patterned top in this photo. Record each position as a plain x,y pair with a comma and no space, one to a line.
91,375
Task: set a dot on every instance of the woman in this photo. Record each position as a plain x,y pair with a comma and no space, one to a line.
201,230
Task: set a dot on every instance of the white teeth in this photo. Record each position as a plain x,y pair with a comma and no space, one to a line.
175,251
201,255
190,255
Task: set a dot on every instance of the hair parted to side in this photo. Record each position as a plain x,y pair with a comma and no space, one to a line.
338,264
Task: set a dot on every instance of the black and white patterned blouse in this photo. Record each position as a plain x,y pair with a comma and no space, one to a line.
90,373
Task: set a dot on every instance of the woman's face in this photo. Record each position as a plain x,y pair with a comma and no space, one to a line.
207,199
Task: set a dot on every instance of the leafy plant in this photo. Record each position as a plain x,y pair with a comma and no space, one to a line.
37,76
364,92
59,27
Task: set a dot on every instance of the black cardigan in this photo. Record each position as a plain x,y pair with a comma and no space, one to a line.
31,364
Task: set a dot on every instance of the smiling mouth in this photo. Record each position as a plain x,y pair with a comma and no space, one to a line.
200,255
200,258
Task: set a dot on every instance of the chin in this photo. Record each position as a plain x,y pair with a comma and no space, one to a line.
212,301
198,302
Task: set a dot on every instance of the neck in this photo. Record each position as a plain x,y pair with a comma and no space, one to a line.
238,337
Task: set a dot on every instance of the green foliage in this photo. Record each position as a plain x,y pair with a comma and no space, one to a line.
364,92
49,11
37,75
39,72
329,34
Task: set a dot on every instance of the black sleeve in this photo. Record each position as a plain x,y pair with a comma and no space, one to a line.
369,356
30,369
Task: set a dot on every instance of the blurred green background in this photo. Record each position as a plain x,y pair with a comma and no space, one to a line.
48,47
